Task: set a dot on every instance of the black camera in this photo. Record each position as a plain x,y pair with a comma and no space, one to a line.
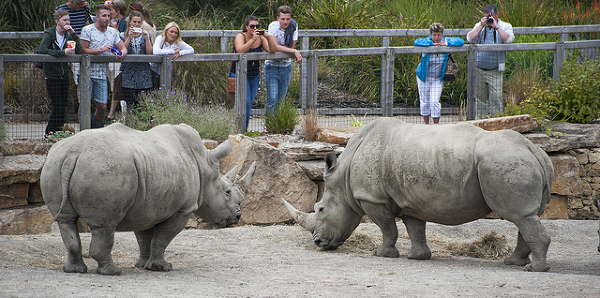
490,20
261,32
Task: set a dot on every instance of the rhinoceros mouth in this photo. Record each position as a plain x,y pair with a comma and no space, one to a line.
325,244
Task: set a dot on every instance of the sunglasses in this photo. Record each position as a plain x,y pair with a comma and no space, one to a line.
252,26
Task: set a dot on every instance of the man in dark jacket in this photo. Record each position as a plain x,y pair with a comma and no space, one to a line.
58,41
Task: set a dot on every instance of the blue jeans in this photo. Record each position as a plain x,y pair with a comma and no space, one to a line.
277,80
251,90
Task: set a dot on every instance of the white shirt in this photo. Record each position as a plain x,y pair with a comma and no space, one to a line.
164,48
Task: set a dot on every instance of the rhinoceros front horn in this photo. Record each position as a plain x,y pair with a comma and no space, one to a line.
306,220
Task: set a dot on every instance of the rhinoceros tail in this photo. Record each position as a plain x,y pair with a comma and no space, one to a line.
66,171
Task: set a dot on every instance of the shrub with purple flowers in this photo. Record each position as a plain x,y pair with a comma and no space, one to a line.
3,132
162,106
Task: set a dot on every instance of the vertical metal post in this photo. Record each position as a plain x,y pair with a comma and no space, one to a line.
1,88
304,76
559,56
241,70
386,92
471,81
166,72
85,94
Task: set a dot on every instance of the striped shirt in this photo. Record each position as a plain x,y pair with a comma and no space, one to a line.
78,17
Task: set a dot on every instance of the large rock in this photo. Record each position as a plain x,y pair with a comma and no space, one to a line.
20,168
23,147
299,151
519,123
277,176
557,208
29,220
567,136
567,181
336,134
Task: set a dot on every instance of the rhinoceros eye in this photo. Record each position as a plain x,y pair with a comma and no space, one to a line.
321,209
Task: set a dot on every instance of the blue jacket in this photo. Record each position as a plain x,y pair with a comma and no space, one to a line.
424,65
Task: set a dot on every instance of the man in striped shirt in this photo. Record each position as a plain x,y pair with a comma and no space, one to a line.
79,13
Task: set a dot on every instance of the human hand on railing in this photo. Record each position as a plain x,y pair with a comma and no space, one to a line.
439,44
176,54
298,56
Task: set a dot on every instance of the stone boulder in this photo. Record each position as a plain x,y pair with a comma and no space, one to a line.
567,136
29,220
19,180
277,176
300,151
567,181
519,123
18,147
336,134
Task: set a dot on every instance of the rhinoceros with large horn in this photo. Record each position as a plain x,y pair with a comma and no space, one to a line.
120,179
448,174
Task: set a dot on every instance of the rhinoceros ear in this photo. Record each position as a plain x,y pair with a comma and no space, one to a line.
330,162
222,150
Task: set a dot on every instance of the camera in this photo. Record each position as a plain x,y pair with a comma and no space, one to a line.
490,20
261,32
137,30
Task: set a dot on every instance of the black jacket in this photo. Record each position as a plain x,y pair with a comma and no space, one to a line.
50,47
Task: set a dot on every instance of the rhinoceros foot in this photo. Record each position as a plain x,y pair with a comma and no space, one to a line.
158,265
108,269
386,252
141,262
75,268
536,267
419,254
516,260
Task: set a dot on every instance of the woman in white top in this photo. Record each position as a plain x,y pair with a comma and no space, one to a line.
170,43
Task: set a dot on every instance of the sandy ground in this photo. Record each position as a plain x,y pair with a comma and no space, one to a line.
281,261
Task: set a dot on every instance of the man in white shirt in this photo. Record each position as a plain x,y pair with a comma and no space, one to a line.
98,39
279,72
490,65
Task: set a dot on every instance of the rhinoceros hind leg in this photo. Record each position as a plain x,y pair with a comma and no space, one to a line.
70,236
418,241
538,240
144,239
164,232
385,219
520,256
101,248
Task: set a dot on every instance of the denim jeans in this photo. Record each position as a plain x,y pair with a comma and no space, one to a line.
277,80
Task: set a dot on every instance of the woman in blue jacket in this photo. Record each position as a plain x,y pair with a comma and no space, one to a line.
431,70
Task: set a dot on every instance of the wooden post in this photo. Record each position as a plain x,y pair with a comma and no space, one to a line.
471,81
166,72
559,57
1,89
305,77
311,82
85,94
241,70
224,40
386,92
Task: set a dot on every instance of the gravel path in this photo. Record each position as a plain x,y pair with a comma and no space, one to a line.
281,261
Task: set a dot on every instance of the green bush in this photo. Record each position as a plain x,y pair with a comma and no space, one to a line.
174,107
574,98
3,132
283,119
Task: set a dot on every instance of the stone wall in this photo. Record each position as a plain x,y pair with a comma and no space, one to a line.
292,168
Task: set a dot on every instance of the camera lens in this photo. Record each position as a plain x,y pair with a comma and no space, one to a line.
490,20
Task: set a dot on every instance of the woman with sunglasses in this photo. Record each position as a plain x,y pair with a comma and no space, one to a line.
252,40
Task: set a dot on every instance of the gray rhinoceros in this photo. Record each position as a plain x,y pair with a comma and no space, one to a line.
448,174
120,179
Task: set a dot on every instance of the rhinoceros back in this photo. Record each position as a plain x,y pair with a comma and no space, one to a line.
117,176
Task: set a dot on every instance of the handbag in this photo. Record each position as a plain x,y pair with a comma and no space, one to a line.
230,85
451,69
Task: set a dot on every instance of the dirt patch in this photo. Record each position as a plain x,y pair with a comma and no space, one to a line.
282,261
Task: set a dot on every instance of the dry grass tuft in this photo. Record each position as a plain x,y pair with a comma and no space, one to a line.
490,246
310,125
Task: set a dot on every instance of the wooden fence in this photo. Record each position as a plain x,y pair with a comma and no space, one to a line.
309,68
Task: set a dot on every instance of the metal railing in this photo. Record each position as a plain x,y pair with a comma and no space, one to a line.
309,67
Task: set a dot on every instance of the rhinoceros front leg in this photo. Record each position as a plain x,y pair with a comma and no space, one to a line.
144,239
385,219
418,240
101,248
164,232
70,236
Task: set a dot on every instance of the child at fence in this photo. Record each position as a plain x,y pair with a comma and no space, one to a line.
252,40
137,77
431,70
58,41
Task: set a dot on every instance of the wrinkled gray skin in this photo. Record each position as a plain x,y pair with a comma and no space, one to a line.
597,203
120,179
448,174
